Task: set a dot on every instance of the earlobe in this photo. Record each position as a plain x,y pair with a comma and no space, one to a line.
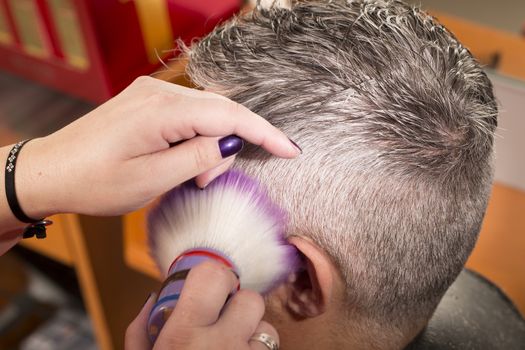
309,291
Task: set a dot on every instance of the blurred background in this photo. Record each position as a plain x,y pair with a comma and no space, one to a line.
80,288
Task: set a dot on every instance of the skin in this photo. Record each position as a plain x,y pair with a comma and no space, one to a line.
195,323
307,309
118,158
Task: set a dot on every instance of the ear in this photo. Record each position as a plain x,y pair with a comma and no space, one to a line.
310,290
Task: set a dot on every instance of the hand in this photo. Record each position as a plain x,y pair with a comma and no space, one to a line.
118,158
197,322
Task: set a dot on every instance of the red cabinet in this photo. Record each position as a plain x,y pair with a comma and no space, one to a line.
94,48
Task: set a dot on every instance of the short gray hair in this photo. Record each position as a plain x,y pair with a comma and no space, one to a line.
396,120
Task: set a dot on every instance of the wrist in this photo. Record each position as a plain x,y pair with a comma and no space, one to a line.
35,181
8,220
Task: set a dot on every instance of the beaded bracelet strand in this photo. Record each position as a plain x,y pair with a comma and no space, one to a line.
36,227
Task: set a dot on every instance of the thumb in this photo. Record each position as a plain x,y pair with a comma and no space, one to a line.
191,158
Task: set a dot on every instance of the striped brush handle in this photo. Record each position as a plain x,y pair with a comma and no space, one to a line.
172,287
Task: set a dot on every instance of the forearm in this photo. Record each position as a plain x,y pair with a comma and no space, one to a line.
31,186
7,219
9,225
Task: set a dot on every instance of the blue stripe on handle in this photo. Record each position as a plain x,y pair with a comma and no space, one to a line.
168,298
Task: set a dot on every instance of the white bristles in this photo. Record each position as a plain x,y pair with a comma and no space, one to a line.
233,216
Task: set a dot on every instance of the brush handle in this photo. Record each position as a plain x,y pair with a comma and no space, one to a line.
174,283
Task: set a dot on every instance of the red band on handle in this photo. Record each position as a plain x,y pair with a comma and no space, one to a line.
206,253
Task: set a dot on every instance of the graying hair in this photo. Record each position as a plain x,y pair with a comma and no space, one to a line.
396,120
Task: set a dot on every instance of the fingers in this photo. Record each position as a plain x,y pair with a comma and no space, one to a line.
205,178
203,296
242,315
170,167
189,112
265,328
200,157
136,334
197,322
215,117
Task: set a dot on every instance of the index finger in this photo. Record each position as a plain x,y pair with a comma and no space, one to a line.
203,113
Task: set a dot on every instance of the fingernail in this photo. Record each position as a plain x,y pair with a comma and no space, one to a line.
296,145
230,145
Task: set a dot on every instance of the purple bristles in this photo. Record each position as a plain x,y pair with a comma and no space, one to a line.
251,190
245,184
291,261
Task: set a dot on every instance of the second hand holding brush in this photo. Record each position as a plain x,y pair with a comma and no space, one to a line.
232,222
201,321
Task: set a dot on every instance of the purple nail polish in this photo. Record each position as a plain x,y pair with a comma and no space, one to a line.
230,145
296,145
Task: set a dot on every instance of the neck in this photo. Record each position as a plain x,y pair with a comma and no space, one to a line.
321,332
330,331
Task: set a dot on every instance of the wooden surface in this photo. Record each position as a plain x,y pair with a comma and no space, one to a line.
87,281
56,245
173,71
114,293
499,254
484,42
507,15
136,253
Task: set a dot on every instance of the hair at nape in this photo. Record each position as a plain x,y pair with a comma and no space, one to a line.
396,120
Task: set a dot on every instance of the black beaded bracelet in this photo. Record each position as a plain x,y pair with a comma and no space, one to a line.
37,227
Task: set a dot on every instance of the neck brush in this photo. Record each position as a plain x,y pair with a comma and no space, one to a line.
231,221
